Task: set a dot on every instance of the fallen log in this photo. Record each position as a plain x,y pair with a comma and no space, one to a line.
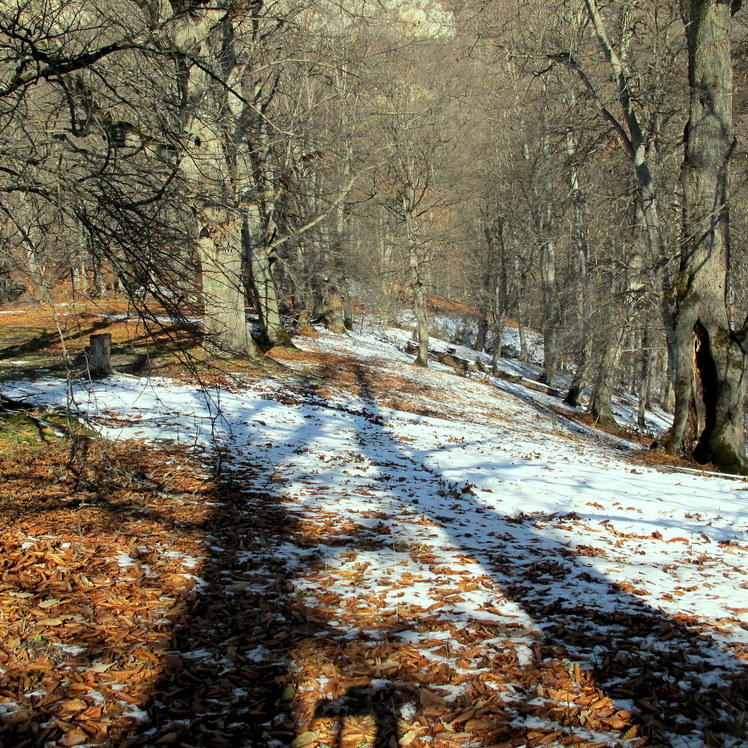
531,384
462,366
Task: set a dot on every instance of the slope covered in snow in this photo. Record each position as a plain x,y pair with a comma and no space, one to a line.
471,565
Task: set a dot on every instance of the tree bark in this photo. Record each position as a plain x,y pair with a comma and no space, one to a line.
329,308
543,213
219,245
497,335
419,297
100,355
209,166
264,288
584,294
488,301
550,323
601,402
710,354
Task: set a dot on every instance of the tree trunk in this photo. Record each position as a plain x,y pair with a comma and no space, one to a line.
480,338
208,165
710,355
543,210
524,351
550,322
646,379
636,142
265,290
524,354
345,293
341,241
100,355
584,295
602,390
497,334
220,249
580,379
419,298
329,307
489,296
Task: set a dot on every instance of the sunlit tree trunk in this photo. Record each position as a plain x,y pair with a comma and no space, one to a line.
209,166
225,323
635,140
543,215
584,295
419,296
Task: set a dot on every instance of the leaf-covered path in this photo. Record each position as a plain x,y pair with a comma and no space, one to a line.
386,557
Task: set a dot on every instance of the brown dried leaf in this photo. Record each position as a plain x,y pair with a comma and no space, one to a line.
75,737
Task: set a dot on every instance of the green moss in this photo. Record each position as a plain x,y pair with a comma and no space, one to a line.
727,458
721,339
18,429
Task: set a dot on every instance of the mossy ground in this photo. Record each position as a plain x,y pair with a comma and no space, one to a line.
21,429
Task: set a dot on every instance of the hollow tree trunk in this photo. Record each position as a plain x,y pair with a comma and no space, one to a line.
710,354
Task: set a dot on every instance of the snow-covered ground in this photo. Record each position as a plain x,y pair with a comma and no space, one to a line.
474,530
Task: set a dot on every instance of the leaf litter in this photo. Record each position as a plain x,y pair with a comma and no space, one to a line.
387,557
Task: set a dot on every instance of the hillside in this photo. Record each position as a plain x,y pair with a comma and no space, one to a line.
345,550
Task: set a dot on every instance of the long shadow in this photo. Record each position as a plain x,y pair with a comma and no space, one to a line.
223,680
230,660
44,340
222,646
678,681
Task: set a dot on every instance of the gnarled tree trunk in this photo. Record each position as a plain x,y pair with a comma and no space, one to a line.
710,354
208,165
219,245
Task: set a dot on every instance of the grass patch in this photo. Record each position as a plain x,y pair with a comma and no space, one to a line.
19,429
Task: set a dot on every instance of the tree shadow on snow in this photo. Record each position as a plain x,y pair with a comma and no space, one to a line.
677,680
247,658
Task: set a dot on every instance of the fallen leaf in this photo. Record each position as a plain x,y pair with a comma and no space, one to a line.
305,739
75,737
100,667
